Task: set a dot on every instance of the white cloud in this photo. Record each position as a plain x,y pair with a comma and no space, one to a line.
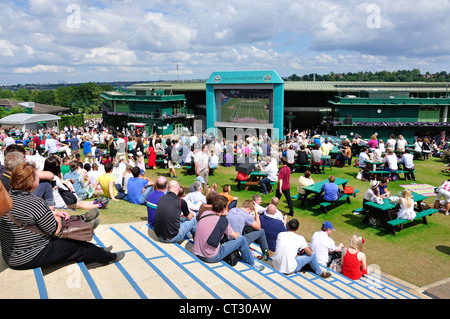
43,69
145,39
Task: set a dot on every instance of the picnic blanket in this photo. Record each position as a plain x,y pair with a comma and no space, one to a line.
423,189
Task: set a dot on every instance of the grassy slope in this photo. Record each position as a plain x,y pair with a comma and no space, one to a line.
418,254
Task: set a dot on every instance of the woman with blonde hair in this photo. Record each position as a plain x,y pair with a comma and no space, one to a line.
406,203
354,264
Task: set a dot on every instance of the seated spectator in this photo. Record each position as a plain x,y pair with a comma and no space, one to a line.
211,228
65,167
363,157
272,174
382,187
107,182
286,258
232,200
406,204
272,226
78,181
390,163
302,157
14,156
206,206
344,156
139,187
256,203
316,158
354,264
52,164
330,191
324,246
372,193
326,148
443,197
303,181
195,198
160,188
169,227
408,165
23,249
278,214
290,157
242,222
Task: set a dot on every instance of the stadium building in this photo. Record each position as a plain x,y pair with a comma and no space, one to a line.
343,108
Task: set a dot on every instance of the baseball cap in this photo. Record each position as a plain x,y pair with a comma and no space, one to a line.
200,179
327,225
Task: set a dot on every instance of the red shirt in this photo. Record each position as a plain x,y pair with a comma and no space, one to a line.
284,175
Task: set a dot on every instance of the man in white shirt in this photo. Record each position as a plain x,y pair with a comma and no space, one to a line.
286,259
324,246
272,174
408,165
363,157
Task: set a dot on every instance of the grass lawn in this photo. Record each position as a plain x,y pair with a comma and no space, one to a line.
418,254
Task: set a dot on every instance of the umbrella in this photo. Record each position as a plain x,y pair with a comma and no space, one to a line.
245,167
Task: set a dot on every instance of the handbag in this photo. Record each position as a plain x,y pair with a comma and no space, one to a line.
68,196
349,190
74,228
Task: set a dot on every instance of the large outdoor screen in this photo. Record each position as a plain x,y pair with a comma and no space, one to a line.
245,106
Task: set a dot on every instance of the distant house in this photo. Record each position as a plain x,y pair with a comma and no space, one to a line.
32,107
25,121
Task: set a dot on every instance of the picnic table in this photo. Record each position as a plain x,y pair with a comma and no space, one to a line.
253,179
316,188
386,213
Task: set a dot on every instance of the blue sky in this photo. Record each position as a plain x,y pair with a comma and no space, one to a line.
43,41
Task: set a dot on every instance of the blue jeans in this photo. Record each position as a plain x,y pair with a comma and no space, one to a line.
228,247
263,183
304,259
186,227
147,191
259,237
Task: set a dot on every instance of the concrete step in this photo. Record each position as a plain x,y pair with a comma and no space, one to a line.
154,270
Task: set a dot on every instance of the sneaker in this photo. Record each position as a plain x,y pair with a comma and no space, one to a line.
119,256
259,267
105,200
107,249
90,215
325,275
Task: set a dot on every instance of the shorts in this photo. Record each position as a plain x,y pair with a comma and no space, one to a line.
443,193
170,164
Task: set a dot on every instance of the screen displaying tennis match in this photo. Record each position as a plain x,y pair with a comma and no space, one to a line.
245,105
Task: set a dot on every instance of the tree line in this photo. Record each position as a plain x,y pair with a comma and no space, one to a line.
381,76
84,98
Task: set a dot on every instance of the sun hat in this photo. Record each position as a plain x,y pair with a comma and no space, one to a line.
374,184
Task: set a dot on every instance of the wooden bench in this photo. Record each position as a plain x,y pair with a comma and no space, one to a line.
422,214
325,205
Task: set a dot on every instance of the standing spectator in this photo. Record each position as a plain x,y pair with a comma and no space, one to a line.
324,246
211,228
74,143
391,142
284,186
401,145
354,264
286,259
159,191
290,156
169,227
201,163
272,227
121,146
170,162
316,158
51,146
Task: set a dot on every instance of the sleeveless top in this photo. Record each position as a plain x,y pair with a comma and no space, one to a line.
352,267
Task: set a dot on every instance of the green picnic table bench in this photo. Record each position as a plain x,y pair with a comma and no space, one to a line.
422,214
383,172
325,205
316,188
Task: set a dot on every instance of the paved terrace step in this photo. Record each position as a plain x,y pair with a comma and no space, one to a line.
154,270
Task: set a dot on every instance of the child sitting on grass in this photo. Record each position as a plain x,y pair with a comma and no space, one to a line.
232,201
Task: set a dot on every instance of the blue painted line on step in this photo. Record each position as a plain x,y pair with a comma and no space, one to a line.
90,281
163,277
42,289
189,273
125,273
